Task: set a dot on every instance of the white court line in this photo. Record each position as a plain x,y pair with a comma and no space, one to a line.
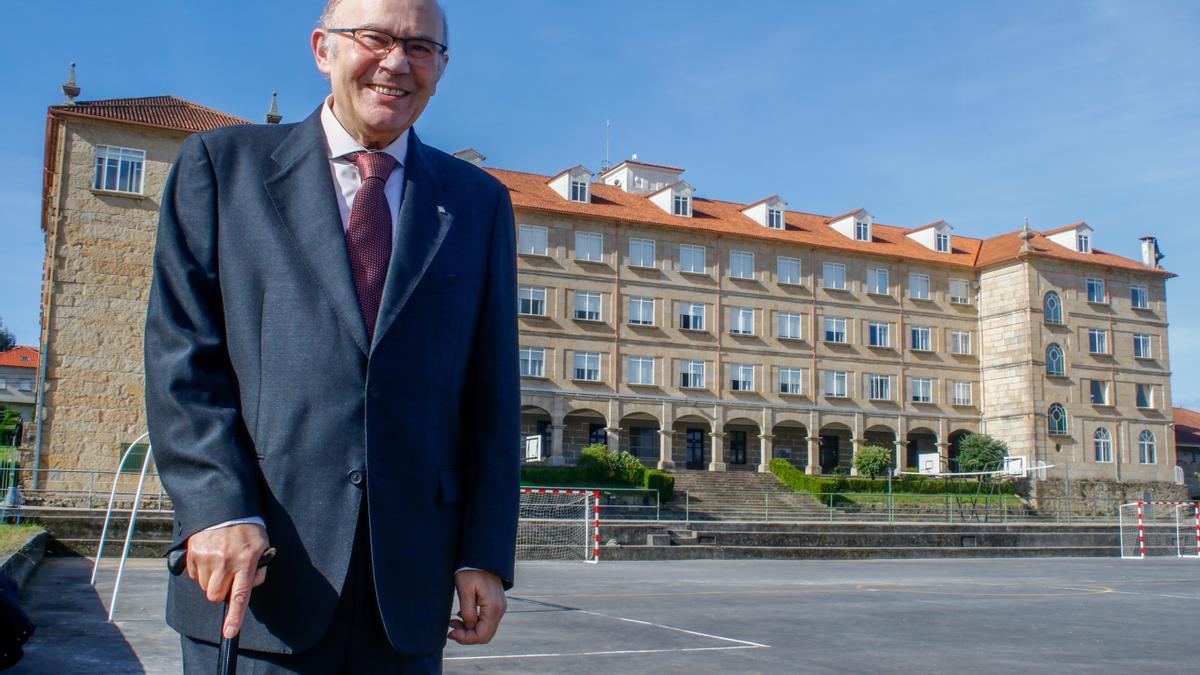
1160,595
615,651
747,643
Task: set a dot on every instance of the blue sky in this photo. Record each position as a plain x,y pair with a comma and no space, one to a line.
979,113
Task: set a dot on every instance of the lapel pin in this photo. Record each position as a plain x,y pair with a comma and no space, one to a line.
441,209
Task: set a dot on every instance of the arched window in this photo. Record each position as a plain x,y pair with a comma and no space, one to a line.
1102,441
1052,308
1056,363
1147,448
1056,420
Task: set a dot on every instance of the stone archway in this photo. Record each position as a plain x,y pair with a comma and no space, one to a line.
836,453
691,447
791,443
741,444
640,437
581,428
536,421
952,452
921,441
883,436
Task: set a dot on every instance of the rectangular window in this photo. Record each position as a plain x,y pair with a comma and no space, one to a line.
533,361
691,374
960,342
641,311
922,389
533,240
119,169
942,242
789,271
1099,392
775,219
878,282
1145,396
880,387
1083,242
682,205
691,316
589,246
25,385
3,384
1095,291
1139,296
741,264
587,366
918,286
921,338
879,334
791,380
579,191
862,230
641,253
641,370
960,292
691,259
1097,340
833,275
835,383
789,326
587,306
961,393
741,320
1141,346
743,377
531,300
835,329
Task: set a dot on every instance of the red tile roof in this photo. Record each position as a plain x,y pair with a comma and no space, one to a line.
1064,228
1007,247
20,357
165,112
1187,426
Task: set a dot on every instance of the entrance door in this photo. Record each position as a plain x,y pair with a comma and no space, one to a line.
737,447
913,451
695,448
829,453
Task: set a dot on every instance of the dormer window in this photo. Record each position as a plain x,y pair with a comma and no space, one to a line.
574,184
579,191
775,219
943,242
1077,237
682,205
1083,242
769,212
862,230
675,199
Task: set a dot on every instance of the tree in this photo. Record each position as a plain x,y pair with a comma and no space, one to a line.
7,339
980,452
872,460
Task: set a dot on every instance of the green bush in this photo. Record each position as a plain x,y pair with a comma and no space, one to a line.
980,452
661,481
594,463
872,460
802,482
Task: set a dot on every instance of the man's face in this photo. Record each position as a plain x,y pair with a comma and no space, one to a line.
377,98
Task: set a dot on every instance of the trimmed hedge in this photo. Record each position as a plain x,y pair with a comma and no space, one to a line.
802,482
662,481
591,476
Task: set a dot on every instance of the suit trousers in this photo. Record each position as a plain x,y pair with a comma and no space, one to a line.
355,641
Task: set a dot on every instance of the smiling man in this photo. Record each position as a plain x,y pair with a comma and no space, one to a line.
331,370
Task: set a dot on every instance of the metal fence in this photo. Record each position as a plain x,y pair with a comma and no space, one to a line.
78,489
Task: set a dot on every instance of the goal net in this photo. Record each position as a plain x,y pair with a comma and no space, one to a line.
1160,529
559,524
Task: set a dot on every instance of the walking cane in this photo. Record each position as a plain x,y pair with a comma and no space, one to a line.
227,656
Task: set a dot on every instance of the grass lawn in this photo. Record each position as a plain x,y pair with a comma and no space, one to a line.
12,537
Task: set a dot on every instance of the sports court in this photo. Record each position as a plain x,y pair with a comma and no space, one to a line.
983,615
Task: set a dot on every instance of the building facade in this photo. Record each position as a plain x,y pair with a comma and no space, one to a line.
1187,448
18,387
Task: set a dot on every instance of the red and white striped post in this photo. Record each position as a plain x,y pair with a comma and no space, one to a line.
595,494
596,529
1196,512
1141,532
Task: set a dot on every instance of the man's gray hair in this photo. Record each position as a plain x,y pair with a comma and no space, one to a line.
331,7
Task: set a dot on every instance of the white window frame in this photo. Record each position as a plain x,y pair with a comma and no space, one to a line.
918,286
879,334
589,246
1051,370
1097,340
1147,447
3,384
1149,397
531,357
960,342
111,158
1143,346
741,377
775,218
941,242
689,255
862,230
638,250
785,275
584,310
790,325
921,389
1101,390
965,286
741,320
1102,445
641,311
879,281
879,387
962,393
534,240
641,370
1139,296
836,272
1097,291
1060,426
586,367
920,335
1083,242
836,383
791,381
681,205
530,294
689,310
688,375
741,264
579,190
25,385
835,327
1052,312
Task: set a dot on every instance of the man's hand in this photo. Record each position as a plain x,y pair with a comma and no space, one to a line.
225,563
481,604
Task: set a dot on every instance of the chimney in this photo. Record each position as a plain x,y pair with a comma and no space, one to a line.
71,89
273,116
1150,253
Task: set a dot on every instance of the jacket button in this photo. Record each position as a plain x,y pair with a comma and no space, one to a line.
375,391
356,477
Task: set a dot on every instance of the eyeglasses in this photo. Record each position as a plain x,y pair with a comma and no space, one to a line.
380,43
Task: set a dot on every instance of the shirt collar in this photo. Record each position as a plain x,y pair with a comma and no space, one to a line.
341,143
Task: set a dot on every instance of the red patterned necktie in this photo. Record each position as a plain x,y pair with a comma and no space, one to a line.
369,233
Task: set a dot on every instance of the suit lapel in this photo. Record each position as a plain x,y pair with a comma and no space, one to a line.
302,192
423,223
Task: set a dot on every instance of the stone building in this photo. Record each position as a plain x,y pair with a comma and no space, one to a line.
1187,447
696,333
18,386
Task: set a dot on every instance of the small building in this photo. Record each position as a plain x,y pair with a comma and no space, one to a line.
1187,447
18,387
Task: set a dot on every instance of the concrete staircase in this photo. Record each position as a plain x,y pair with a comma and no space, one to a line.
738,495
77,531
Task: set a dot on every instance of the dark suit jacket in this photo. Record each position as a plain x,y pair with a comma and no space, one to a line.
265,398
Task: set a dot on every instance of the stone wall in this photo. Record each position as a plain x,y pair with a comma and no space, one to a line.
1098,496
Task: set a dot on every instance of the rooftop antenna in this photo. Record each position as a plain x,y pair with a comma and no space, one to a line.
607,141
